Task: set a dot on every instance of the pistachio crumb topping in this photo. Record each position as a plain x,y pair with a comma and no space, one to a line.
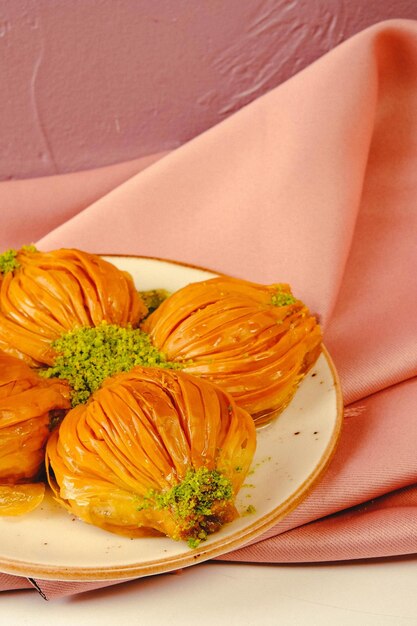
87,356
282,298
30,248
153,298
196,503
8,260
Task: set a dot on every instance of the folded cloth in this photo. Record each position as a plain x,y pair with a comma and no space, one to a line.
56,199
313,184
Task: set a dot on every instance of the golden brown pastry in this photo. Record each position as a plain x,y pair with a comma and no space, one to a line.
27,405
153,450
255,341
44,295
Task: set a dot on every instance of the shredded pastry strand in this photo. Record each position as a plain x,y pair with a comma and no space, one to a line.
44,295
27,405
153,451
255,341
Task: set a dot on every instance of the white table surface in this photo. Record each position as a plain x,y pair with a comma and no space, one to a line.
378,593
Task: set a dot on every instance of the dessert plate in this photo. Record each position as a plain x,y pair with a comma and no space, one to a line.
292,453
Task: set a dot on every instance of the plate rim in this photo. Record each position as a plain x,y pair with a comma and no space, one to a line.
213,549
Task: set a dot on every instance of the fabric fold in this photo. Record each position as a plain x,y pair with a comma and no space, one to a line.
31,208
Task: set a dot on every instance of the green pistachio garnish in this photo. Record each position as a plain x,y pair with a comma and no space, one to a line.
8,260
153,298
87,356
193,501
282,298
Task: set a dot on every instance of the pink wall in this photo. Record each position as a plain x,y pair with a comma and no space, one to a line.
92,82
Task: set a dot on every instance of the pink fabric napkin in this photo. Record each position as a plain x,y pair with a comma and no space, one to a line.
314,184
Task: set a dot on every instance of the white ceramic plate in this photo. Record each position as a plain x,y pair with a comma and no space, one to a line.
292,454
